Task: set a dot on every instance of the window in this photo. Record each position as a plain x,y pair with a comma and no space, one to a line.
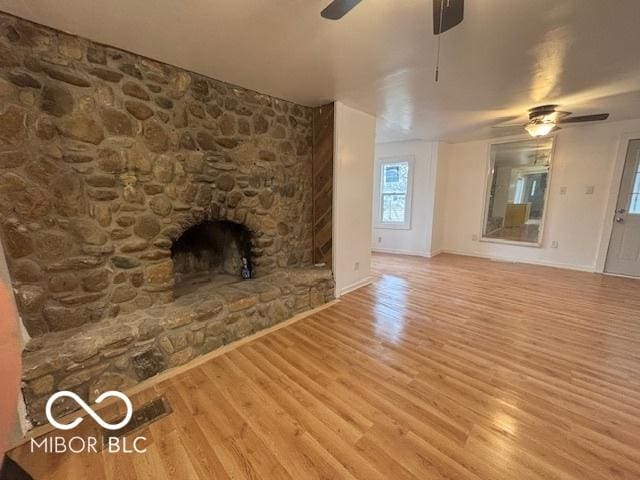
517,192
395,200
634,206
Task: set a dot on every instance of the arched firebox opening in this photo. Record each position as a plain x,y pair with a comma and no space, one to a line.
211,251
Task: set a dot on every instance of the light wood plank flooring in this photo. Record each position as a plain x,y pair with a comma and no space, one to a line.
450,368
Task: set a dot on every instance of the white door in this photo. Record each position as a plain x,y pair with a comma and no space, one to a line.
624,250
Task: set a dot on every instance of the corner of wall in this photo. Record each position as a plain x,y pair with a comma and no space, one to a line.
353,182
439,152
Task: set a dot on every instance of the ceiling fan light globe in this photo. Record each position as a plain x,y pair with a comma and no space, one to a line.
539,129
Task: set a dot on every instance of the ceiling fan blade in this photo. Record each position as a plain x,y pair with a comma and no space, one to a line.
338,9
585,118
452,14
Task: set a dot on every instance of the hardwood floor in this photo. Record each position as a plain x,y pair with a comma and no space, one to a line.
451,368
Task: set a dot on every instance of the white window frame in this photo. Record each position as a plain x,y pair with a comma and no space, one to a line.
406,224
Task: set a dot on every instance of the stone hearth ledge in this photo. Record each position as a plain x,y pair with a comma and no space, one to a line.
117,353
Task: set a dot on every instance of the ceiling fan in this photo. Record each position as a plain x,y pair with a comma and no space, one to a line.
545,119
446,13
338,9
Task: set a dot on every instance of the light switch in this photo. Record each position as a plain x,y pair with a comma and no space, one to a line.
563,190
589,190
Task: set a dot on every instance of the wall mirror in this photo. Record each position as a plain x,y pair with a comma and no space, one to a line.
516,198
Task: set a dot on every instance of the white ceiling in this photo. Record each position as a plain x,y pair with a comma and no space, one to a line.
506,56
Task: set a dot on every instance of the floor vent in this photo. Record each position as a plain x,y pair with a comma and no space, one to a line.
142,417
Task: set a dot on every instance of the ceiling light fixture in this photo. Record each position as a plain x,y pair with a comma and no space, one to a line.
547,118
539,129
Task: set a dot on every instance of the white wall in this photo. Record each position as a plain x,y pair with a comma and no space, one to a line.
441,152
353,182
415,240
584,156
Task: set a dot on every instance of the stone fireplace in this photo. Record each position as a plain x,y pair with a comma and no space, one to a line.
211,251
130,190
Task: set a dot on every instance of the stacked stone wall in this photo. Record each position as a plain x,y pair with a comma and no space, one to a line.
106,157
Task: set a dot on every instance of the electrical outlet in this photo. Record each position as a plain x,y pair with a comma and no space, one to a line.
474,237
379,239
356,266
563,190
589,190
554,244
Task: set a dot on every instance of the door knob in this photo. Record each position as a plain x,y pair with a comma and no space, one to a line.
619,220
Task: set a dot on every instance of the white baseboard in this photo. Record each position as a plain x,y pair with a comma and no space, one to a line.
355,286
566,266
630,277
397,251
413,253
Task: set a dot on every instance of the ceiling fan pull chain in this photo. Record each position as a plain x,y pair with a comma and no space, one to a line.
438,61
439,39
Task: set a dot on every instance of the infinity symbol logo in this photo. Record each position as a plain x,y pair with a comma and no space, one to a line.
89,410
